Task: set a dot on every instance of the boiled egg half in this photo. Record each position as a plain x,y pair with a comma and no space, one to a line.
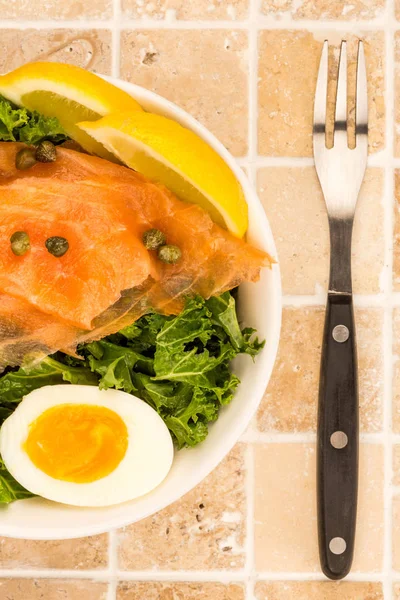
83,446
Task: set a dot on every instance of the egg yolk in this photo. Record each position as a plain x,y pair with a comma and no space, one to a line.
77,442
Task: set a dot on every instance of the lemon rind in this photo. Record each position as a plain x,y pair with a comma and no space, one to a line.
84,88
231,225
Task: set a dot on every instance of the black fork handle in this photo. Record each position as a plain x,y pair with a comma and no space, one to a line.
337,452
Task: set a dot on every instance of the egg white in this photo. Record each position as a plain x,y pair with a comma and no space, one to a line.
146,463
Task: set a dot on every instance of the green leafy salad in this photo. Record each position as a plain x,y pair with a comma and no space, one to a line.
179,365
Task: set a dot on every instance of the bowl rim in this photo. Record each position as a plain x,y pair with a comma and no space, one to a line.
264,362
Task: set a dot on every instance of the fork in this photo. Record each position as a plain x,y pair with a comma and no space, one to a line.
340,171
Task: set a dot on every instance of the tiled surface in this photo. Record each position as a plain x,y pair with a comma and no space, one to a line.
324,9
303,241
17,10
182,9
87,48
179,591
204,530
396,371
397,90
51,589
396,533
247,70
285,111
315,590
191,68
86,553
396,464
285,509
396,250
290,402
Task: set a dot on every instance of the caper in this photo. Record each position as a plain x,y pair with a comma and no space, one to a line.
153,239
25,159
20,243
57,246
72,145
169,253
46,152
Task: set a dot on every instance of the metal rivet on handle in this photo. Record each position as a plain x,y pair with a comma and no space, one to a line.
340,334
339,440
337,545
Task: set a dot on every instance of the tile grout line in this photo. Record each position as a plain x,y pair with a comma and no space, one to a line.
388,310
116,38
252,153
249,546
103,575
263,23
112,564
182,576
319,300
253,90
284,576
378,300
253,436
377,160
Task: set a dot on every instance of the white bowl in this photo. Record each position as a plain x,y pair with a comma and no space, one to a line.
259,306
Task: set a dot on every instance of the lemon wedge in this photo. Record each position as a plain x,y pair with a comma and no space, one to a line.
168,153
69,93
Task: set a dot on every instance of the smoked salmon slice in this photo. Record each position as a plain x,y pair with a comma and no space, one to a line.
27,334
107,278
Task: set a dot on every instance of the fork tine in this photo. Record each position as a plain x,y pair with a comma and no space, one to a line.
341,94
361,93
321,92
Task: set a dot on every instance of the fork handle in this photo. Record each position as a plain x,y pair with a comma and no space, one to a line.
337,456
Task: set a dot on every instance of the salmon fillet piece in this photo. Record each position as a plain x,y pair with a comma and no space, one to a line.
105,252
107,278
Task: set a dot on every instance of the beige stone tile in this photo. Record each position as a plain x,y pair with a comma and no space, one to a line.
182,9
204,530
285,509
396,370
204,71
288,66
396,240
90,48
397,86
324,9
290,402
51,589
179,591
396,591
54,9
396,464
397,9
85,553
296,209
318,590
396,533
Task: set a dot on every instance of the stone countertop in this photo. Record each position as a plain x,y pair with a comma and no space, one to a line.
247,70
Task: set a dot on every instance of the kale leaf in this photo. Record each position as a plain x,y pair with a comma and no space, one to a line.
10,489
11,120
21,125
179,365
223,309
16,384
